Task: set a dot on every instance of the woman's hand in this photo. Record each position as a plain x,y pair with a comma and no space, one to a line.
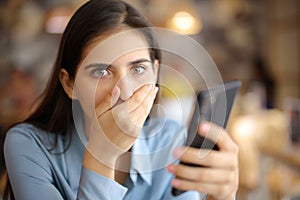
218,174
118,124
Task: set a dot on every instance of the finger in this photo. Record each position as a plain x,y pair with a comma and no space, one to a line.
217,190
139,115
131,122
108,102
207,157
139,96
202,174
218,135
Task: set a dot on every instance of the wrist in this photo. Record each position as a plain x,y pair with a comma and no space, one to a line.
95,165
101,149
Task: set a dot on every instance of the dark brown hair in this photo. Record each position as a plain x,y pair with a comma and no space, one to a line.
93,19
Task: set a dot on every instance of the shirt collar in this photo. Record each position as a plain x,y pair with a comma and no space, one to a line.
141,160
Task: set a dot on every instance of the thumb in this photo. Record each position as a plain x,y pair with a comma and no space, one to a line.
108,102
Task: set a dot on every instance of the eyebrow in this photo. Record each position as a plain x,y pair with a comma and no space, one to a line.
139,61
97,65
105,66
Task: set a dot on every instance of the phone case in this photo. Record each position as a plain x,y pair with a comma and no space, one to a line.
214,105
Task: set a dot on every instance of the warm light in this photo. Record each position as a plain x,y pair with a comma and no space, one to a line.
245,126
183,20
185,23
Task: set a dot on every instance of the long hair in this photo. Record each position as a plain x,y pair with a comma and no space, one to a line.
93,19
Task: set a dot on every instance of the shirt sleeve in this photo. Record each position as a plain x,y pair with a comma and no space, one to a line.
193,195
106,189
28,171
31,174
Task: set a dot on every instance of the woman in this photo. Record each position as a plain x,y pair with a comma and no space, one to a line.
101,91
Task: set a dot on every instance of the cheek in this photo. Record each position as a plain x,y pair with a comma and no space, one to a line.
85,96
101,93
149,77
153,77
85,90
91,94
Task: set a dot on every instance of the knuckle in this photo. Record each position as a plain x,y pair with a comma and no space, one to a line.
139,97
206,176
179,170
144,90
117,115
145,107
229,178
211,158
235,148
197,186
222,190
233,164
200,176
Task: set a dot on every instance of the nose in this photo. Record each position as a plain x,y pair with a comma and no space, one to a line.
127,87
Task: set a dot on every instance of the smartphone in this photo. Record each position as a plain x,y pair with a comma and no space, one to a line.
213,105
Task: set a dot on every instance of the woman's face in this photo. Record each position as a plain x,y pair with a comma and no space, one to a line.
121,60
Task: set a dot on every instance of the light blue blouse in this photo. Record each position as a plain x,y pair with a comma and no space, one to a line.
37,173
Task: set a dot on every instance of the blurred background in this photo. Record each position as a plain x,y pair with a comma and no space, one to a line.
255,41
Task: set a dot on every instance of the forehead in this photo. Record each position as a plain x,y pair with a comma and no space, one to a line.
113,46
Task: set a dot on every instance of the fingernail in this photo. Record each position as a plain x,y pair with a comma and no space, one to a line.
175,182
171,168
178,152
155,90
114,91
204,127
150,87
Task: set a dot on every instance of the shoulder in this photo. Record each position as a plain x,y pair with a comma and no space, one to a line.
27,159
27,138
25,132
24,129
20,133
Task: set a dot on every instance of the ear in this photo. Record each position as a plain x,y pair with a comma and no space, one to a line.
67,83
156,69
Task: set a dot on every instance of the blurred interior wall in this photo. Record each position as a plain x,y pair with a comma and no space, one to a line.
283,47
